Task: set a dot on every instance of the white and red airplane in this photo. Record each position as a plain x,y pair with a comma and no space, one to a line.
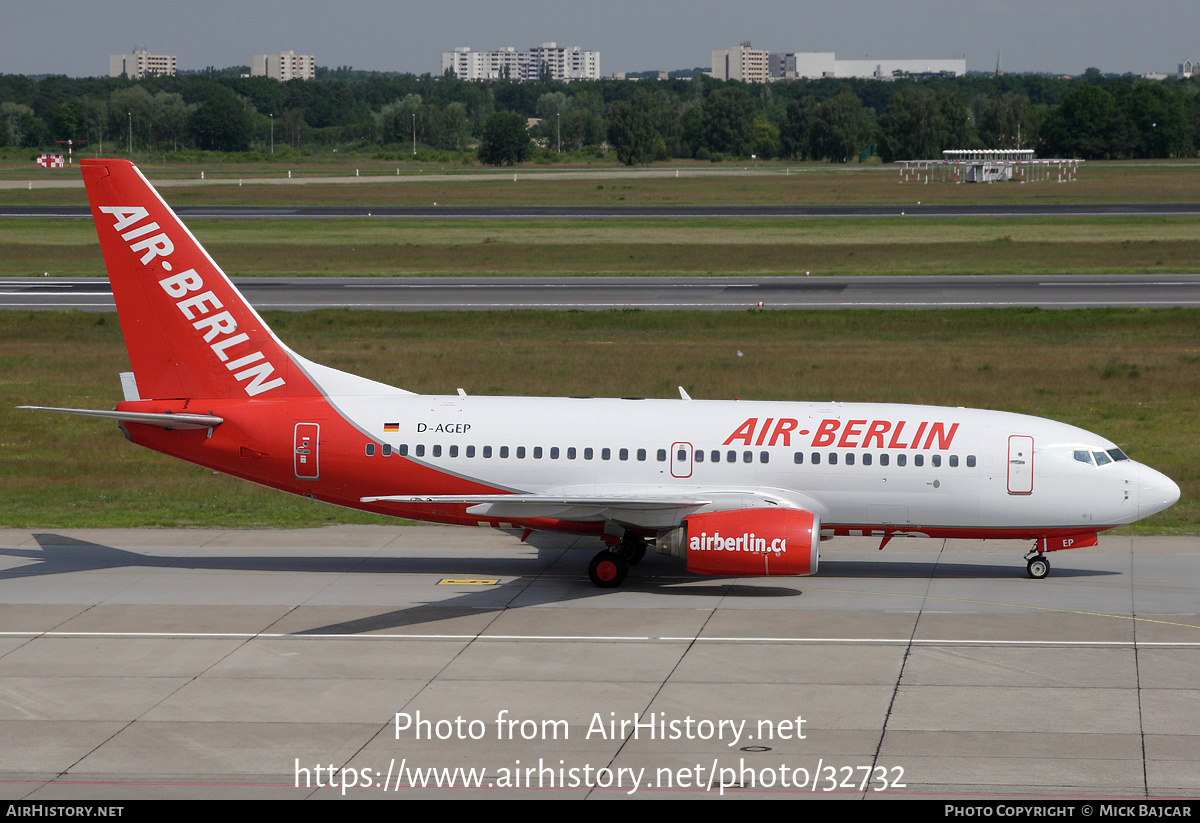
730,487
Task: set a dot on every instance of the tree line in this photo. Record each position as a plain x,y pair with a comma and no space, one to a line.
1093,116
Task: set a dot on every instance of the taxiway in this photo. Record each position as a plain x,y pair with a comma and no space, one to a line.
175,663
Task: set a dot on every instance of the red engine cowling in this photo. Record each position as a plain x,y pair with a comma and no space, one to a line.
765,542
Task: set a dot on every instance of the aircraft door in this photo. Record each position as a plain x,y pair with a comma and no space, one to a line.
1020,464
307,451
681,459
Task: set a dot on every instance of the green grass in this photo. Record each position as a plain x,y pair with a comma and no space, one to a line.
698,184
645,247
1130,375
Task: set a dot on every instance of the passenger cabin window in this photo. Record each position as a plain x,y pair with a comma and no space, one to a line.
370,450
587,453
470,451
554,452
571,452
487,451
970,461
437,451
866,458
606,454
798,458
504,451
764,457
954,461
901,459
642,455
421,450
937,461
662,455
699,455
520,452
623,454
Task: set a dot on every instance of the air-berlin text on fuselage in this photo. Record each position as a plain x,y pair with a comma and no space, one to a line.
219,329
746,542
847,434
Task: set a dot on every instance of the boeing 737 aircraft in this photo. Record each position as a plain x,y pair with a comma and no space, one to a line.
729,487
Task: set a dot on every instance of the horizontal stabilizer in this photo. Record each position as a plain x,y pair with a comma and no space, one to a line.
166,421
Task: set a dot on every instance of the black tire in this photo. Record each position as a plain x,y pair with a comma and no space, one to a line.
1038,567
632,551
607,570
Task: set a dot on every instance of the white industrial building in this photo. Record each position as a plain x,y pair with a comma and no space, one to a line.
287,65
140,63
755,66
564,63
814,64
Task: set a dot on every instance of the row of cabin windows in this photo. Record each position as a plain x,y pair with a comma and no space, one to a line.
537,452
681,455
918,460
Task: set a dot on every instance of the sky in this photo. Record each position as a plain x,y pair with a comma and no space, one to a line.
1057,36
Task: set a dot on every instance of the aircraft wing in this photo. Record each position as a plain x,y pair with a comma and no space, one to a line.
621,508
650,509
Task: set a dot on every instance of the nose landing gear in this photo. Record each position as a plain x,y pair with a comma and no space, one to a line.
1037,565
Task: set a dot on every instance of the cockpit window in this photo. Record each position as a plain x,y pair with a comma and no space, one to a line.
1117,454
1101,458
1083,456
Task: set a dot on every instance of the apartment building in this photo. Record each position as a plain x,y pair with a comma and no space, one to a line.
141,63
287,65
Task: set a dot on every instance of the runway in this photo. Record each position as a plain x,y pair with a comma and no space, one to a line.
653,293
654,212
197,664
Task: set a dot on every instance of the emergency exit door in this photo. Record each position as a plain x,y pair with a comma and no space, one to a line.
307,451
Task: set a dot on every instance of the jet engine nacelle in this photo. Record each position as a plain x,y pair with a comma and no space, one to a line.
747,541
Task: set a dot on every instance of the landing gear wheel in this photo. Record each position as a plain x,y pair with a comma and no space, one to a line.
1038,567
608,569
632,551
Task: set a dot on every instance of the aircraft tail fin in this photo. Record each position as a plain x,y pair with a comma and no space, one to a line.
189,332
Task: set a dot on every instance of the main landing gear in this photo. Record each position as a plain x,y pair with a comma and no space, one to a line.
1037,565
608,568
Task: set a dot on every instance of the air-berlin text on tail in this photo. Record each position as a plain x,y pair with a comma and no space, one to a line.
219,329
847,434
